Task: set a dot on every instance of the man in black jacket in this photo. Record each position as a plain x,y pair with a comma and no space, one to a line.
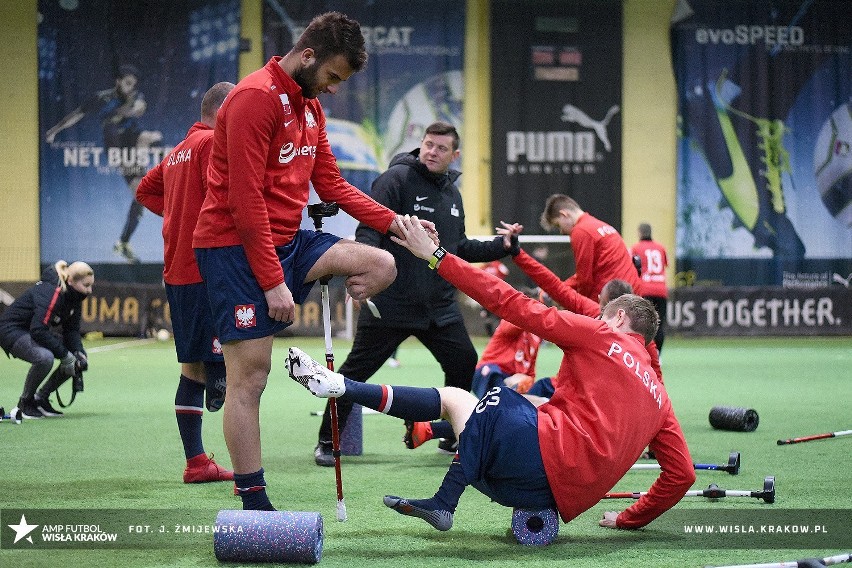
419,302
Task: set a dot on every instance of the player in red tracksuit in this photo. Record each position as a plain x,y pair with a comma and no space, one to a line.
269,143
653,273
509,358
567,453
175,189
600,254
537,391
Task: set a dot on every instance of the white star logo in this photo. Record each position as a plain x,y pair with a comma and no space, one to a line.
22,529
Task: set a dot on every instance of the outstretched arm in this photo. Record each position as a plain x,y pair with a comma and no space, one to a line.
557,326
676,477
562,293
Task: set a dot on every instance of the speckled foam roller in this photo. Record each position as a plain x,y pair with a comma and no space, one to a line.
268,536
535,527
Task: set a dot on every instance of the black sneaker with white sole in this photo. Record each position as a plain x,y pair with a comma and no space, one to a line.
26,409
43,405
324,454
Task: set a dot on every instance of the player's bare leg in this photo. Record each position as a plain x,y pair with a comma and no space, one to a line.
248,364
368,270
456,406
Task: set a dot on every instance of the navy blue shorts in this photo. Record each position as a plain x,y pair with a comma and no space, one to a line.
486,376
237,301
192,324
499,451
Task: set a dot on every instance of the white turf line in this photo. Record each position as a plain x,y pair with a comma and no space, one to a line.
122,345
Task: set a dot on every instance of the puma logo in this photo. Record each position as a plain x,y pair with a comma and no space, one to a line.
570,113
841,280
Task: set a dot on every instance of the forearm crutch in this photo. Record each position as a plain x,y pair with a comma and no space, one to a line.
317,212
767,494
803,563
732,467
814,437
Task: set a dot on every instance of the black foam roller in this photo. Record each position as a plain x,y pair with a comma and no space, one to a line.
734,419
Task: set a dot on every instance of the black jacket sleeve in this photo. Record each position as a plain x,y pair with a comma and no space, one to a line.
47,301
474,250
386,191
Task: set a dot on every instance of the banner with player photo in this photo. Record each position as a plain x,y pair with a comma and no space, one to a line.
413,77
555,107
120,83
764,165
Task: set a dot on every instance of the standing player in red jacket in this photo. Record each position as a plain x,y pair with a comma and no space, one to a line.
269,143
653,273
567,453
600,254
175,190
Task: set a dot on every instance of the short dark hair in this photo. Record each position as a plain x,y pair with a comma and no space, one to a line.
333,34
444,129
613,289
644,231
641,313
214,97
553,205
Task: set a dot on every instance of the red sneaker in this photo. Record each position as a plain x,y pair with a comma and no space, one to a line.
202,469
417,434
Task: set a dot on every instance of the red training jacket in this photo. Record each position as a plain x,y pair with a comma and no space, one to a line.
599,256
512,349
654,263
608,405
175,189
268,144
572,300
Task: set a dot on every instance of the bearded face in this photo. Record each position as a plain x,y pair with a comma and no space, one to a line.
306,78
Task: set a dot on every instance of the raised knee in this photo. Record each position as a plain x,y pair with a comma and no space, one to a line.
385,266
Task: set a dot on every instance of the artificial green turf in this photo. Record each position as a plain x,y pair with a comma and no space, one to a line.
118,448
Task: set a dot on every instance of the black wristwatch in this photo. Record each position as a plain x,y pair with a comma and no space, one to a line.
437,256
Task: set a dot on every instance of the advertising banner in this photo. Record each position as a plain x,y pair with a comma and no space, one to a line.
120,83
760,311
555,107
764,166
413,78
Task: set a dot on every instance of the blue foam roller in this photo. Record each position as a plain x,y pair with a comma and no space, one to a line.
268,536
535,527
352,436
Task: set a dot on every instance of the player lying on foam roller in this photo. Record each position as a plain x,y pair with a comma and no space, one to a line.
567,453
